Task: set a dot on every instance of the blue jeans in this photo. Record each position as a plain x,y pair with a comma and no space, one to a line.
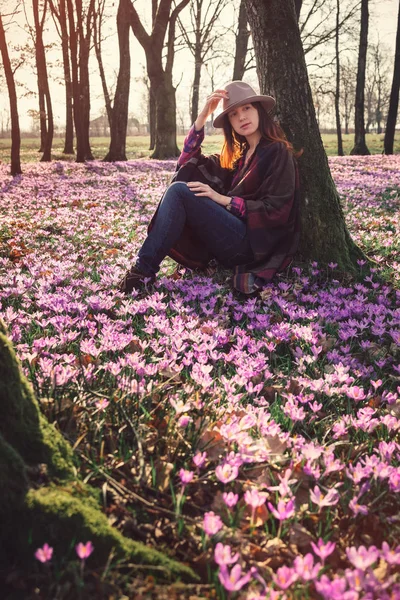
224,234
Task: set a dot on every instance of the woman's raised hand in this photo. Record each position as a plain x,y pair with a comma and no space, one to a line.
209,107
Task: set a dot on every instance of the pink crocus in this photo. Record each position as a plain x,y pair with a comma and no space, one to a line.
358,509
102,404
199,459
392,557
323,549
185,476
284,510
212,523
362,557
233,580
230,499
44,554
226,472
255,498
284,577
84,550
305,568
321,500
223,555
356,393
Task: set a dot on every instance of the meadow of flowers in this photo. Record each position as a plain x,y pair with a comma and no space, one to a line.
255,439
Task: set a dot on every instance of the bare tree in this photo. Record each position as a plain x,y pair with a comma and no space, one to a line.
59,13
80,21
282,71
201,40
337,90
46,109
360,146
394,95
348,75
15,130
162,88
98,17
119,115
241,44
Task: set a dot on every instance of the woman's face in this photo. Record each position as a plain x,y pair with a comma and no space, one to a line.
244,119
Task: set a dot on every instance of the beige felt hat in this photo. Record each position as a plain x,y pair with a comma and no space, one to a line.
241,93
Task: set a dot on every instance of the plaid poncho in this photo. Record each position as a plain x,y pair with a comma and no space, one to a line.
269,187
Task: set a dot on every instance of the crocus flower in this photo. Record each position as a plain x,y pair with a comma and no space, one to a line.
284,510
230,499
226,472
284,577
84,550
233,580
330,499
323,549
305,568
254,498
185,476
102,404
392,557
223,555
44,554
199,459
362,557
212,523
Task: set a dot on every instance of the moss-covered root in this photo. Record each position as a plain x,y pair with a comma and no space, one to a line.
55,516
21,424
13,480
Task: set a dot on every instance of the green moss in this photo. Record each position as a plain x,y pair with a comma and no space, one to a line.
13,479
55,516
22,425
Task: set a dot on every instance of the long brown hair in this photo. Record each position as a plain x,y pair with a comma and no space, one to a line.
235,144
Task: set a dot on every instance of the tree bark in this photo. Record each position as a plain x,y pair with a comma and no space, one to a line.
337,91
196,88
46,117
12,94
241,44
282,71
79,44
152,117
160,76
360,146
394,95
97,20
119,118
59,13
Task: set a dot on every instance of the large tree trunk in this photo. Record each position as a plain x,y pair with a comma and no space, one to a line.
280,58
242,40
119,120
97,22
165,139
360,146
394,95
12,94
337,91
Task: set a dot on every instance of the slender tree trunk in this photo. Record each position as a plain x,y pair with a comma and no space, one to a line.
337,91
297,5
394,95
42,115
12,94
196,87
280,58
119,121
152,117
97,48
360,146
242,40
69,121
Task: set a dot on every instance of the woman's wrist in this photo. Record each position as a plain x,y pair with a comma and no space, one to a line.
200,122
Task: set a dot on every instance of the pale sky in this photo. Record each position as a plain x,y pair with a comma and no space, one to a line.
383,21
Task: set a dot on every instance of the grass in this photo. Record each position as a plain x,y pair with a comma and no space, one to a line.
138,146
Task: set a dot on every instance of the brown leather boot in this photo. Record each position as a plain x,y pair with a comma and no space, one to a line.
134,280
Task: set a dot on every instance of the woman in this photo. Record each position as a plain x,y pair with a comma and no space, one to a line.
240,207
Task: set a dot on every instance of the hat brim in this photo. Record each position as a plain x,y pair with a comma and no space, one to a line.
268,102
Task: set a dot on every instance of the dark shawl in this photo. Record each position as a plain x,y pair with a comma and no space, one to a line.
269,186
